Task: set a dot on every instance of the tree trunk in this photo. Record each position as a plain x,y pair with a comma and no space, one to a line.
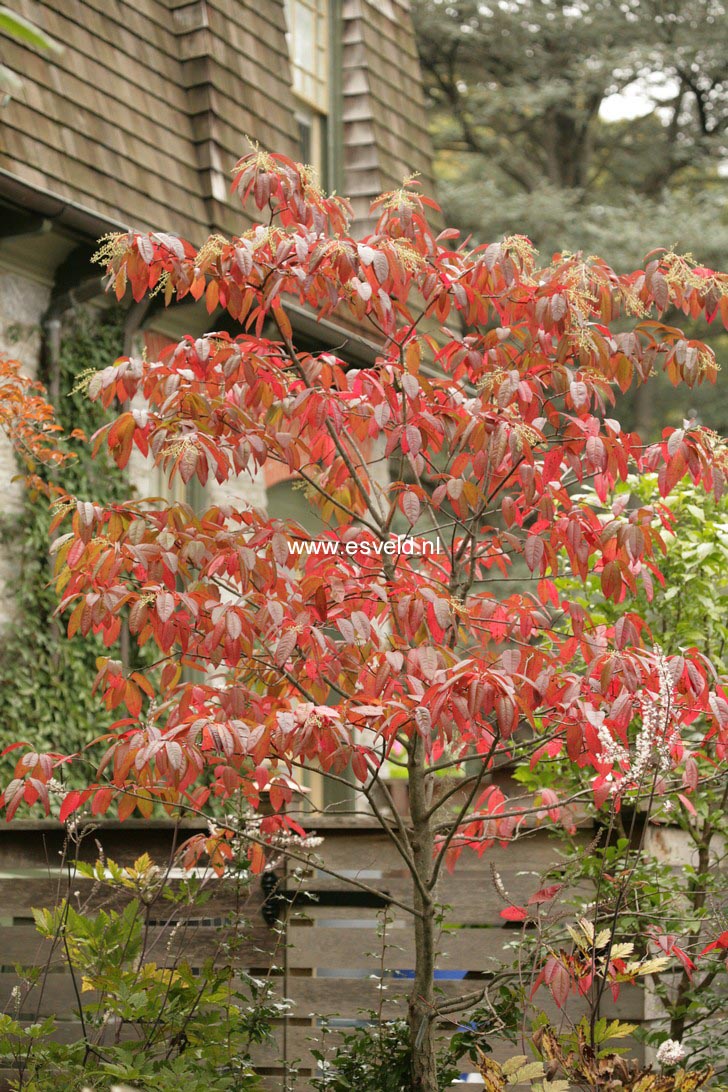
422,998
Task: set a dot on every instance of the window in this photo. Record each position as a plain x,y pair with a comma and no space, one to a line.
308,47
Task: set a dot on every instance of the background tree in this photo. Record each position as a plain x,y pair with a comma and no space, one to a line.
528,137
344,658
517,92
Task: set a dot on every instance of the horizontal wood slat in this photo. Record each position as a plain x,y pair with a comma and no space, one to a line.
464,949
19,899
193,944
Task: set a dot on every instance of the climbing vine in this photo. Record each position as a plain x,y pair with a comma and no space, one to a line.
47,680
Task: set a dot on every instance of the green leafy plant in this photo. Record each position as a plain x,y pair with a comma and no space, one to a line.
146,1016
375,1057
573,1057
670,900
46,678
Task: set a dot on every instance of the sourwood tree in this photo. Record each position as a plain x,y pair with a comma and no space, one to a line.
490,403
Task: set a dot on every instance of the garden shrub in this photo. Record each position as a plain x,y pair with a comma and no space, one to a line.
146,1016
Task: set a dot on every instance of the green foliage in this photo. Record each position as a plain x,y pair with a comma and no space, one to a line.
518,94
375,1058
687,609
47,679
15,26
155,1024
691,610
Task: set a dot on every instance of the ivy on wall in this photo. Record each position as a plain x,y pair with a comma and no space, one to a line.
46,679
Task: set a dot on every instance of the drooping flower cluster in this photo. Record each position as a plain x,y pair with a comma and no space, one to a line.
612,750
655,740
658,733
646,762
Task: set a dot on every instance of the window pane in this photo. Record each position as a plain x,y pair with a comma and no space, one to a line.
305,143
304,40
308,48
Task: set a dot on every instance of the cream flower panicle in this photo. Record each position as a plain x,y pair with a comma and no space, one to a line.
670,1052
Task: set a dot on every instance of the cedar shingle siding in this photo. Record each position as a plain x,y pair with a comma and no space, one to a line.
144,113
385,128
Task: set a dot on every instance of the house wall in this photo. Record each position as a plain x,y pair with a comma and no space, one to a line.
22,305
142,116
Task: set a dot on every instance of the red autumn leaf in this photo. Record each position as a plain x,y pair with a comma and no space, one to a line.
71,801
514,913
720,942
411,506
533,552
546,894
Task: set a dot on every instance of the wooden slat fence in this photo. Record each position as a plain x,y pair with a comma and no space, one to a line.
335,952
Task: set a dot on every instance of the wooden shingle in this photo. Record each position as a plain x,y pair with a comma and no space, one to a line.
142,116
383,115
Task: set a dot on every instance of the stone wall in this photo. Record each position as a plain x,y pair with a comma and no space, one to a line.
22,305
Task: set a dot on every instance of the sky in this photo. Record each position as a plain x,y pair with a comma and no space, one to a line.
637,99
628,104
